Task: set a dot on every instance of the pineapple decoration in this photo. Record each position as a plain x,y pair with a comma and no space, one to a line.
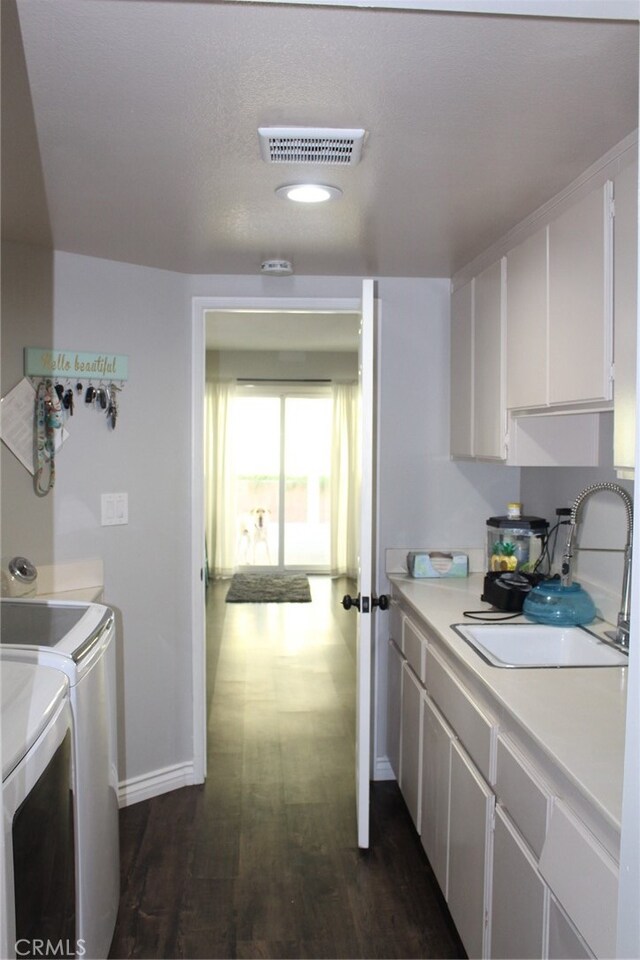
504,556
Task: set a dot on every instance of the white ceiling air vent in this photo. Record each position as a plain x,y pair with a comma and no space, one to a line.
276,268
316,145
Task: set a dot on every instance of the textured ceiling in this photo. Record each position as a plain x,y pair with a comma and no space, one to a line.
145,115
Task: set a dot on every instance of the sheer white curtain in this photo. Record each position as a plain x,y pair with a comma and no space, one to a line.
345,479
220,512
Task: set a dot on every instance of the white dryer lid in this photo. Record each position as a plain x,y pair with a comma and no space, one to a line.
30,696
71,630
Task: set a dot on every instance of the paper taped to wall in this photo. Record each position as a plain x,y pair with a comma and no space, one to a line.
17,423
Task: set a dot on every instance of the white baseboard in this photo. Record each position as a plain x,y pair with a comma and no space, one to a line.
382,769
155,783
179,775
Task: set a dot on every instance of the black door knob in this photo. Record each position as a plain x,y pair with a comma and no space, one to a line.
382,601
348,602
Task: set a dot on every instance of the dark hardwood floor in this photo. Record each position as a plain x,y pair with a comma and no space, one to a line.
262,860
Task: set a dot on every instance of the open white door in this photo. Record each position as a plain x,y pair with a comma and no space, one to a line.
365,602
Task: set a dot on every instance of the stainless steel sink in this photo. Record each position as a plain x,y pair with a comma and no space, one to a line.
526,645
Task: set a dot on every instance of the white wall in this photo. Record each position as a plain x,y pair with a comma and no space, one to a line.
143,313
26,521
281,365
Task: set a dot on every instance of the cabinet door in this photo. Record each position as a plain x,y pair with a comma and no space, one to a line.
580,293
519,896
470,845
411,743
436,771
625,315
488,365
477,730
523,793
527,335
583,877
396,621
461,413
564,939
394,690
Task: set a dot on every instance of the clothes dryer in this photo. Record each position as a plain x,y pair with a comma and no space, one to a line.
78,638
37,913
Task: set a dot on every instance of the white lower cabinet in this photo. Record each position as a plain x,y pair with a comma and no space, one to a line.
436,775
564,939
411,742
394,706
474,727
470,846
584,878
523,794
519,896
522,875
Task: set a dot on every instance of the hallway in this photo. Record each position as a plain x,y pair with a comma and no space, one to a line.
262,861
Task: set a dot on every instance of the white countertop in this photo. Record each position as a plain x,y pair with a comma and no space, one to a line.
81,580
575,717
83,594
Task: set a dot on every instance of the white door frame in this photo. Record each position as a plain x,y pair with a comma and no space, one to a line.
198,360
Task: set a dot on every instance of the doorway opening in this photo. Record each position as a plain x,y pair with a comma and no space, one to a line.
299,336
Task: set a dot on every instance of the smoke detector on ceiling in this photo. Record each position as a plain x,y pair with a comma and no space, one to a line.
316,145
276,268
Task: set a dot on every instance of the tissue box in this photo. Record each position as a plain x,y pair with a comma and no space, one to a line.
434,563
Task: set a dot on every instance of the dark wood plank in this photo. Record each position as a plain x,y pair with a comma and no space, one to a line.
262,860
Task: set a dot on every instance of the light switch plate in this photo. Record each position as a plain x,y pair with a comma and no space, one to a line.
115,509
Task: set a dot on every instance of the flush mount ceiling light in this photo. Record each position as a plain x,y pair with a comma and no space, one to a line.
309,192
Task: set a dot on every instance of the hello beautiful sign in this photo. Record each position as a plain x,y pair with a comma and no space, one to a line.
40,362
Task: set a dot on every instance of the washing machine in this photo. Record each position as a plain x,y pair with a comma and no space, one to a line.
37,899
78,638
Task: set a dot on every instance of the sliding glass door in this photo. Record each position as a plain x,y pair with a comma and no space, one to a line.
282,456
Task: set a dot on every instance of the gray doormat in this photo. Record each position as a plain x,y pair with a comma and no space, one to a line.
269,588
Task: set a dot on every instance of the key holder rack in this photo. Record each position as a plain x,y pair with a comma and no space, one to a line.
60,379
87,379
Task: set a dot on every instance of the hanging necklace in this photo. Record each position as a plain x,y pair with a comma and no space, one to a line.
47,416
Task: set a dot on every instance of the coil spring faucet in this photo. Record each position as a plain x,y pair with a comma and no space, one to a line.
621,634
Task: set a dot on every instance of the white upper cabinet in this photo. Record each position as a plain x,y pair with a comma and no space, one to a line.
536,332
625,315
527,334
477,404
488,365
461,406
560,309
580,300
